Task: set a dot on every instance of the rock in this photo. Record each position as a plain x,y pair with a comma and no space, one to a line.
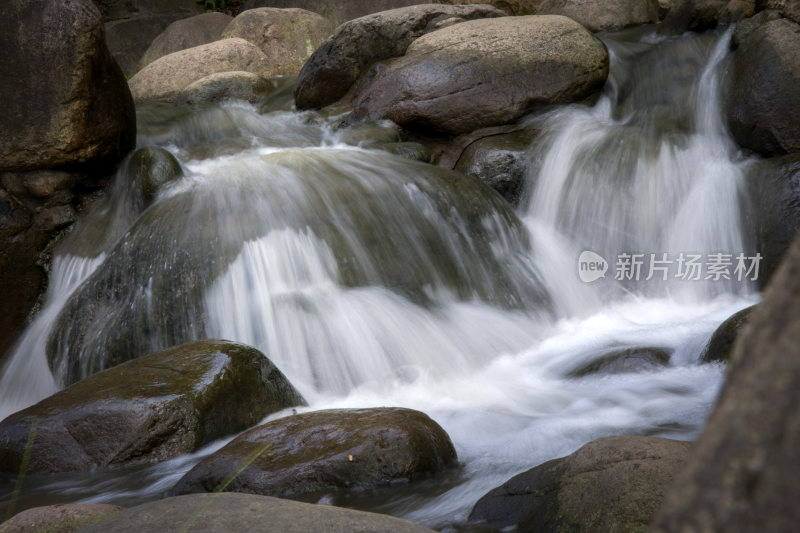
356,45
287,37
147,410
226,85
409,150
551,59
664,7
308,455
340,11
610,484
599,15
165,78
701,15
79,113
66,106
763,105
742,473
720,345
62,518
748,26
185,33
499,161
773,187
224,512
150,168
134,24
624,361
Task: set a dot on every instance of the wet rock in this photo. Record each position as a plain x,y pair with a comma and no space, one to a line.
62,518
774,190
308,455
551,59
763,104
625,361
748,26
186,33
150,168
742,473
66,106
598,15
287,37
499,161
147,410
226,85
165,78
701,15
213,513
356,45
720,345
611,484
409,150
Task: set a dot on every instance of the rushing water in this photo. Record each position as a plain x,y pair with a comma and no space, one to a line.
373,280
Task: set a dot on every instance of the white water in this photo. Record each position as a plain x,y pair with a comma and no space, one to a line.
494,371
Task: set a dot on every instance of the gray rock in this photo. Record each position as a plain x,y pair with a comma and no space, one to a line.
484,73
185,33
356,45
165,78
229,512
701,15
598,15
763,105
748,26
226,85
499,161
720,345
62,518
312,454
287,37
610,484
147,410
624,361
742,473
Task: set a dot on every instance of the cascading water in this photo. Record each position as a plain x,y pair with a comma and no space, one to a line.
373,280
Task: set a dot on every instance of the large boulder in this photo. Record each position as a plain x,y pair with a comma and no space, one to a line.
287,37
763,104
486,72
147,410
61,518
186,33
356,45
165,78
773,186
611,484
214,513
64,99
598,15
66,119
308,455
721,342
742,474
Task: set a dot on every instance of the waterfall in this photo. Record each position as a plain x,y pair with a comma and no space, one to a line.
374,280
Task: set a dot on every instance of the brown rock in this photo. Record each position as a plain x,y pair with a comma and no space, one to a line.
63,518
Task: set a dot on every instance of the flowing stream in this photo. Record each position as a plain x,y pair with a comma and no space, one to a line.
375,280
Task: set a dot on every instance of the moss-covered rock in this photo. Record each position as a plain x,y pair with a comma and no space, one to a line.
147,410
305,456
611,484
